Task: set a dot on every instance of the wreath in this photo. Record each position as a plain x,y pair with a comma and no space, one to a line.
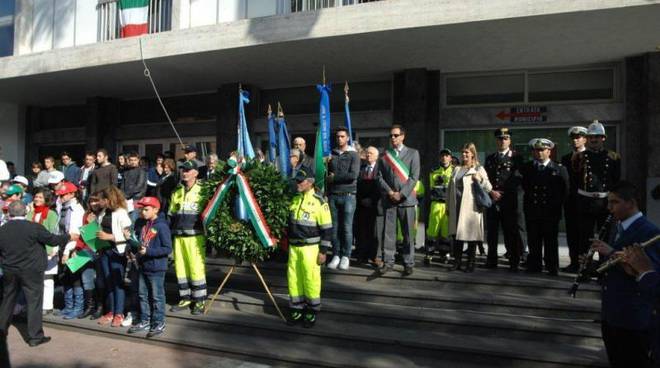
235,237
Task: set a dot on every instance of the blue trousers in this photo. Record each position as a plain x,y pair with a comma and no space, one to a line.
152,297
113,265
342,209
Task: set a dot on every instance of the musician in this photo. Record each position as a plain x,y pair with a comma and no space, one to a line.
626,314
596,170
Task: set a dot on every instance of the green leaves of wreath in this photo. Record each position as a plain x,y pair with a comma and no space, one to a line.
235,238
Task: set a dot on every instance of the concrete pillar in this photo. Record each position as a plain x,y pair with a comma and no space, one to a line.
642,129
103,120
32,117
227,116
12,139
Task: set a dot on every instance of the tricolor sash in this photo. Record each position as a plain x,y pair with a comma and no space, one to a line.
398,167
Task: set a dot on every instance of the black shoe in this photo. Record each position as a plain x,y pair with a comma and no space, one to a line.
294,318
532,270
90,304
385,269
513,269
198,309
571,268
140,327
156,330
552,272
489,265
309,320
407,271
38,342
427,260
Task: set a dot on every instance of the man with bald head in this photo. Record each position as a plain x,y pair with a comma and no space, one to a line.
367,208
305,160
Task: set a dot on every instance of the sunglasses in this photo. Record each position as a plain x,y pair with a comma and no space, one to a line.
395,135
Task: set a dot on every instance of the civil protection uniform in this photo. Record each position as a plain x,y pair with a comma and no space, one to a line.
504,174
546,188
310,232
437,231
596,173
189,242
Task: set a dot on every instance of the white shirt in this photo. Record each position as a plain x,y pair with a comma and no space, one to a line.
544,163
625,224
4,172
504,153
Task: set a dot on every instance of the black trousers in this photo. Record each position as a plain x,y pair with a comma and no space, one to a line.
543,244
592,214
32,283
626,348
367,241
508,216
571,218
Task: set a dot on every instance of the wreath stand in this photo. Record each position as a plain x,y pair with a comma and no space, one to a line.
263,283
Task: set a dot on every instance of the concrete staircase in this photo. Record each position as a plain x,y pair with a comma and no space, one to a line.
433,318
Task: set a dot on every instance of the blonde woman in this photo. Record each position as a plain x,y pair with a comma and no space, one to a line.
466,222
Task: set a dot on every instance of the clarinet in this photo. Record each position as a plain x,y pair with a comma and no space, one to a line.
585,265
613,261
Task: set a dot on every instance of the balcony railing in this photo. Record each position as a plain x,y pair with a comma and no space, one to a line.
109,25
305,5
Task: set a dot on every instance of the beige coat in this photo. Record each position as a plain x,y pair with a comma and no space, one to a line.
469,226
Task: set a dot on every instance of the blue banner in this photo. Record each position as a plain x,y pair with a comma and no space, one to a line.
283,145
324,117
272,137
347,117
244,148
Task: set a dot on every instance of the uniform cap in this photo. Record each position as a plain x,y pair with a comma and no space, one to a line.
189,148
304,173
541,143
502,132
445,151
14,189
577,130
189,165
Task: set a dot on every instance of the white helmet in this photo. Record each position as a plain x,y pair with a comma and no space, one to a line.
596,128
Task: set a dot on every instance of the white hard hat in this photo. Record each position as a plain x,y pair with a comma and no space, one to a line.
55,177
596,128
21,179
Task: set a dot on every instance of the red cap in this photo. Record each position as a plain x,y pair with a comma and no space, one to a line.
148,201
65,188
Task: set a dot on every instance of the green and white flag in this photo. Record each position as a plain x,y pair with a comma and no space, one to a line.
134,17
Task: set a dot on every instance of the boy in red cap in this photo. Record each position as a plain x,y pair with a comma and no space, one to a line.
152,245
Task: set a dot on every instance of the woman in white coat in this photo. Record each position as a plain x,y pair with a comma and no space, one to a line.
466,222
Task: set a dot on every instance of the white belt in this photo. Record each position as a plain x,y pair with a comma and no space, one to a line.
592,194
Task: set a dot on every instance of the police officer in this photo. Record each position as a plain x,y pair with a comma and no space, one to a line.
503,172
545,184
310,237
578,139
437,233
596,169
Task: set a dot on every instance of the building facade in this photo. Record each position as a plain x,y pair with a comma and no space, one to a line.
451,71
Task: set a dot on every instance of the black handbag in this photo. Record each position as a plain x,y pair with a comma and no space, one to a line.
481,198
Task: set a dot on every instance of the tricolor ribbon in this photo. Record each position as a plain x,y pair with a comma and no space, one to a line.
246,197
398,167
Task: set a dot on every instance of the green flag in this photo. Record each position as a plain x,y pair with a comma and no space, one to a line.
319,168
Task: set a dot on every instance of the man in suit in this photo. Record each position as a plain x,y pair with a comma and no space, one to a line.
368,195
626,314
578,139
545,184
503,169
398,173
23,261
305,159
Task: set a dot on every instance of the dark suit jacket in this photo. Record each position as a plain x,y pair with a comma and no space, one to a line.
22,245
545,190
388,180
368,191
623,304
504,175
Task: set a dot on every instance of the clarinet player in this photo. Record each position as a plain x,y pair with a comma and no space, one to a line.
626,314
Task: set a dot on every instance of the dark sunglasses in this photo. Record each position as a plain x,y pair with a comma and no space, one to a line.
395,135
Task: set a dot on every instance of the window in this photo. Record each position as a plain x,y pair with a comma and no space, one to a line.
6,28
506,88
572,85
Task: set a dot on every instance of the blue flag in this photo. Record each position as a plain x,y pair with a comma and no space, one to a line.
283,145
272,137
347,117
324,117
244,148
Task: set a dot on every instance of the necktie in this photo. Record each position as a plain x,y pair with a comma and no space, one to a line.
619,231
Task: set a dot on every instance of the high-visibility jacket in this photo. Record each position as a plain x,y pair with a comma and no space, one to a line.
438,222
185,209
310,222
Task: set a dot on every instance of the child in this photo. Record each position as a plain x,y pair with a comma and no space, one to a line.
153,245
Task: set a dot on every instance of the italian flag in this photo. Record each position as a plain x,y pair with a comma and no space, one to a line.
134,17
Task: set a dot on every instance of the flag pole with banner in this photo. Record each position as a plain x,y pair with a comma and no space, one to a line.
324,115
272,137
283,143
347,115
245,148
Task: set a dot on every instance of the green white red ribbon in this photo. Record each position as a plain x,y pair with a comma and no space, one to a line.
245,193
399,168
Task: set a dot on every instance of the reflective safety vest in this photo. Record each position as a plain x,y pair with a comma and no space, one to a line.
310,222
439,182
185,209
